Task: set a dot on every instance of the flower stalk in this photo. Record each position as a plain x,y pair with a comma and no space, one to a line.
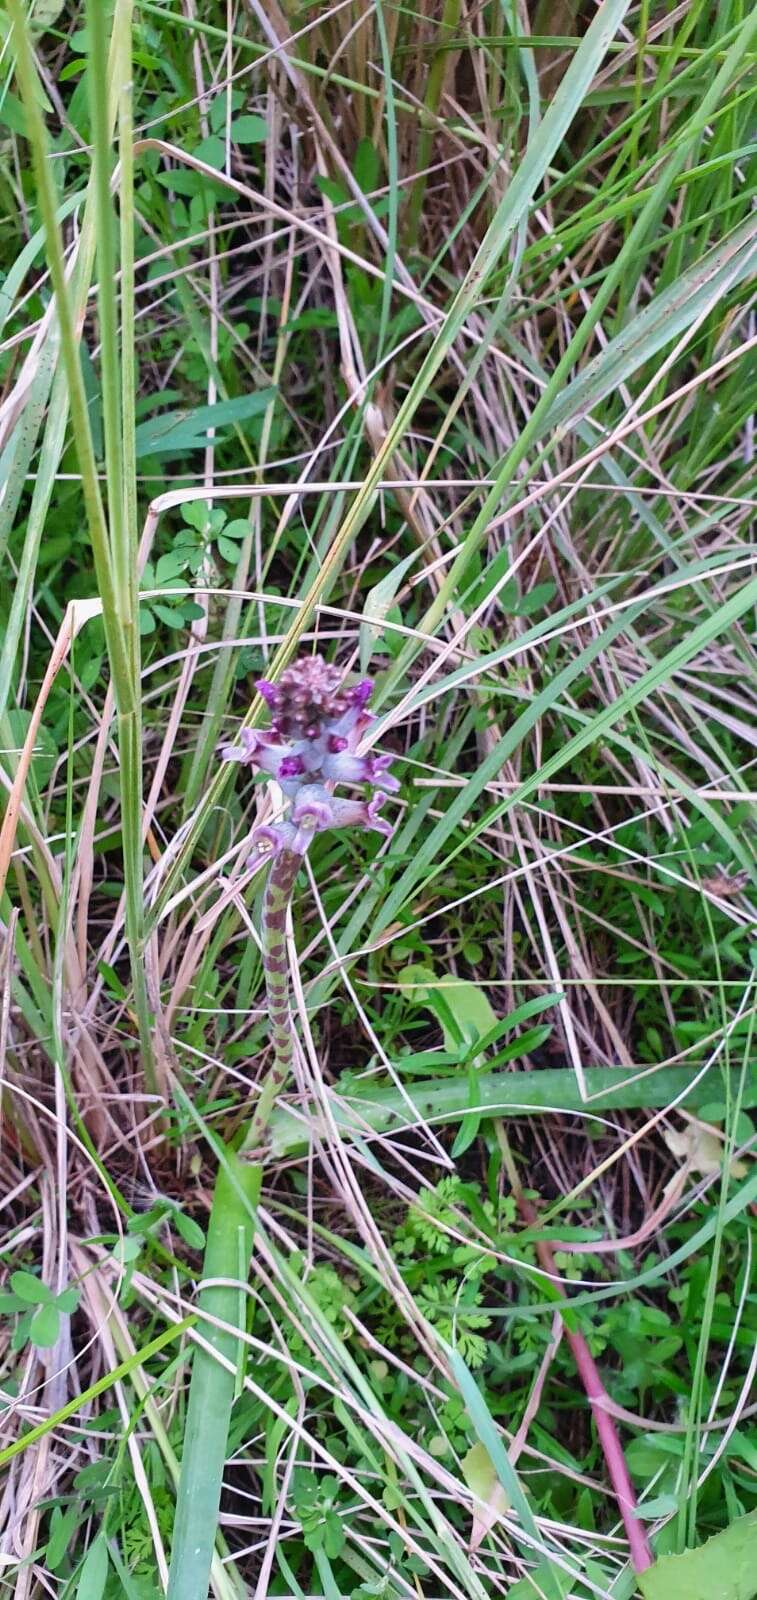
278,893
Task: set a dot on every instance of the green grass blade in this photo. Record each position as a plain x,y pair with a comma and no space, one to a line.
212,1385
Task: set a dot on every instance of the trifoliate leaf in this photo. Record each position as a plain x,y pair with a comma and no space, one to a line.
68,1299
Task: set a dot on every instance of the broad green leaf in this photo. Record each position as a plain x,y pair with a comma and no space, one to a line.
172,616
45,1326
531,1587
10,1304
534,600
212,151
367,167
180,180
249,130
462,1009
189,1230
197,514
127,1249
169,566
725,1568
30,1289
62,1525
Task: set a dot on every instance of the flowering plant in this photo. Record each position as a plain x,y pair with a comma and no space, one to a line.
310,747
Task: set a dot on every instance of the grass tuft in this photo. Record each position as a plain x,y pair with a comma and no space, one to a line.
420,338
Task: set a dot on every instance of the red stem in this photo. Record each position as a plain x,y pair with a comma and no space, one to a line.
597,1396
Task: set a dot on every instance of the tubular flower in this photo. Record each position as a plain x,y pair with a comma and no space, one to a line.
309,748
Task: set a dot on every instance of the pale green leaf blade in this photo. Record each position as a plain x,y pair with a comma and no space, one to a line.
725,1568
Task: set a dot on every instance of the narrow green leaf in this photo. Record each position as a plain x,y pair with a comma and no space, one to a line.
378,602
491,1439
664,319
188,430
501,1094
212,1385
94,1573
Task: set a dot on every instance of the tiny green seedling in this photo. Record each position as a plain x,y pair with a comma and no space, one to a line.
39,1310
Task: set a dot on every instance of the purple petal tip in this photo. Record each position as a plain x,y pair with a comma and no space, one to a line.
362,692
262,837
291,767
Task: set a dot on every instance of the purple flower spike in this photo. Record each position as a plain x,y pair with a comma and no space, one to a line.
361,814
346,768
311,746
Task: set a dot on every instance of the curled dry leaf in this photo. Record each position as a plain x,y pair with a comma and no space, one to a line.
481,1477
701,1149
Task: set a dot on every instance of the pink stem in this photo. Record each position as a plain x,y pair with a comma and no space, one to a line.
598,1398
596,1394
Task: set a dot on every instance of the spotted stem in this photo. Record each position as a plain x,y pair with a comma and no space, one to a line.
276,900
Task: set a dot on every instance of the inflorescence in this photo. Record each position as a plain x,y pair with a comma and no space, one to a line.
310,746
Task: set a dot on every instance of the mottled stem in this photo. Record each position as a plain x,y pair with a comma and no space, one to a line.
282,874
